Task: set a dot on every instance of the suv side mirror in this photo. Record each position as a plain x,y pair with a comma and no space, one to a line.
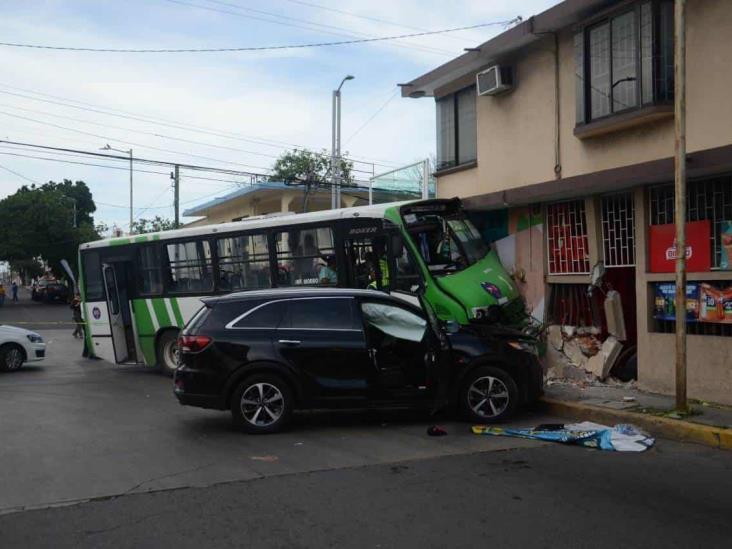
452,326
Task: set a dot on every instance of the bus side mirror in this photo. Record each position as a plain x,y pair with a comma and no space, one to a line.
397,245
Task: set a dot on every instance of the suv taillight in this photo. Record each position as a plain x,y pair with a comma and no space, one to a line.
193,343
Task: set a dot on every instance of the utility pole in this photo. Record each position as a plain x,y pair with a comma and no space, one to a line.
335,152
107,147
680,197
176,194
426,179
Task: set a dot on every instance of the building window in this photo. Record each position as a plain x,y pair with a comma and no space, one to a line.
456,129
625,61
706,199
567,241
618,230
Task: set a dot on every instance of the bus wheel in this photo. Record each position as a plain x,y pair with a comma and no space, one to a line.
167,352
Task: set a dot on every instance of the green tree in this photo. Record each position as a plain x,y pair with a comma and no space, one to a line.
47,222
154,225
304,166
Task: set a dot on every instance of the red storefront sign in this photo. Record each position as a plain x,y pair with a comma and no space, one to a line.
663,249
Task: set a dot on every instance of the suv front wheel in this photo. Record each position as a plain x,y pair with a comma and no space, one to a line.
488,395
262,403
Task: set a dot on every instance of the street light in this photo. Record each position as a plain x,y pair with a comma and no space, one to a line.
108,148
335,191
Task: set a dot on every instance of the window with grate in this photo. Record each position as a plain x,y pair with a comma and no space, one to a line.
708,199
618,230
567,244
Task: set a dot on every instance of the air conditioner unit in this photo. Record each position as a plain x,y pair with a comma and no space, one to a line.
494,80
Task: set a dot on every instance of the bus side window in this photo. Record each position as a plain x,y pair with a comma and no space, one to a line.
407,275
305,257
151,282
190,266
368,262
243,262
93,276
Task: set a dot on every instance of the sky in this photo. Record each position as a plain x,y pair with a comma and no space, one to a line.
231,110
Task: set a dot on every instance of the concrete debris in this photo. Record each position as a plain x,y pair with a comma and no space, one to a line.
569,331
554,337
574,353
602,362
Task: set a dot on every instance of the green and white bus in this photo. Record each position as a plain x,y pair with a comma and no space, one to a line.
139,291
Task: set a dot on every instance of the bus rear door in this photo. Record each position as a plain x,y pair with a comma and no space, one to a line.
118,306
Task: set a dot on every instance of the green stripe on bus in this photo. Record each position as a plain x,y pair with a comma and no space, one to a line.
161,312
176,311
142,238
119,242
147,345
143,318
156,237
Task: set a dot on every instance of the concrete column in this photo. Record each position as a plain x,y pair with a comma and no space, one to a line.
285,201
348,201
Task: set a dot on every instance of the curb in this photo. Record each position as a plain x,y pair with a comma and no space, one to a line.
673,429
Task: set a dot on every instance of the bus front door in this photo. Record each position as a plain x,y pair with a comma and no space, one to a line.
118,307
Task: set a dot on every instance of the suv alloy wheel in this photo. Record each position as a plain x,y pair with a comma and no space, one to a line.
262,403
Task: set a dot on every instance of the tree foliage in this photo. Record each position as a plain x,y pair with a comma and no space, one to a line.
154,225
38,222
304,166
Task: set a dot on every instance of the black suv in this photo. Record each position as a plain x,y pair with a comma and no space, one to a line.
263,354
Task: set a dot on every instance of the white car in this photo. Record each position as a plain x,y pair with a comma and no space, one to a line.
18,346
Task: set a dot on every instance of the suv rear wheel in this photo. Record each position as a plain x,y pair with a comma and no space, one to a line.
488,395
262,403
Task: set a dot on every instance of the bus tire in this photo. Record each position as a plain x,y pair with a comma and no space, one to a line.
166,351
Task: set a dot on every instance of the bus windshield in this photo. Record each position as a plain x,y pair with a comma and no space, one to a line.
447,243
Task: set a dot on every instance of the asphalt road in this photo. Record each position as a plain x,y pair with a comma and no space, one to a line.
97,455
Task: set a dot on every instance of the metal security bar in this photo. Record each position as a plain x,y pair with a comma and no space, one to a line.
708,199
567,244
618,230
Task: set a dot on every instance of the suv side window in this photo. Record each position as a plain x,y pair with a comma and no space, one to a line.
266,315
320,314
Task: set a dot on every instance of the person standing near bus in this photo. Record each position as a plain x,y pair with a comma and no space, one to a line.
2,295
14,289
76,316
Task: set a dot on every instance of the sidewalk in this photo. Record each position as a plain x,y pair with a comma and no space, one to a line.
709,424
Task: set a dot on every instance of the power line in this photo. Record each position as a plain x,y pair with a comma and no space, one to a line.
251,48
153,134
348,32
79,105
18,174
381,108
132,143
360,16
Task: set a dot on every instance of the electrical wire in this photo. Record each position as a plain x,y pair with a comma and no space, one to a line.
361,16
251,48
153,134
75,104
132,143
378,111
19,175
311,24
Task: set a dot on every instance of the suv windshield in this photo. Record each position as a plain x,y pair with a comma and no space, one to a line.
446,243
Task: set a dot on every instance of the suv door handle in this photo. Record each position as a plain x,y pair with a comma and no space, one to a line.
289,342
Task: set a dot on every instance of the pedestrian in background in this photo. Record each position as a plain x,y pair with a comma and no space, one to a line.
2,295
76,315
14,288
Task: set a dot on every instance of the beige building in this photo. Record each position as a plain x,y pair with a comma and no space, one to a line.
275,198
572,163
